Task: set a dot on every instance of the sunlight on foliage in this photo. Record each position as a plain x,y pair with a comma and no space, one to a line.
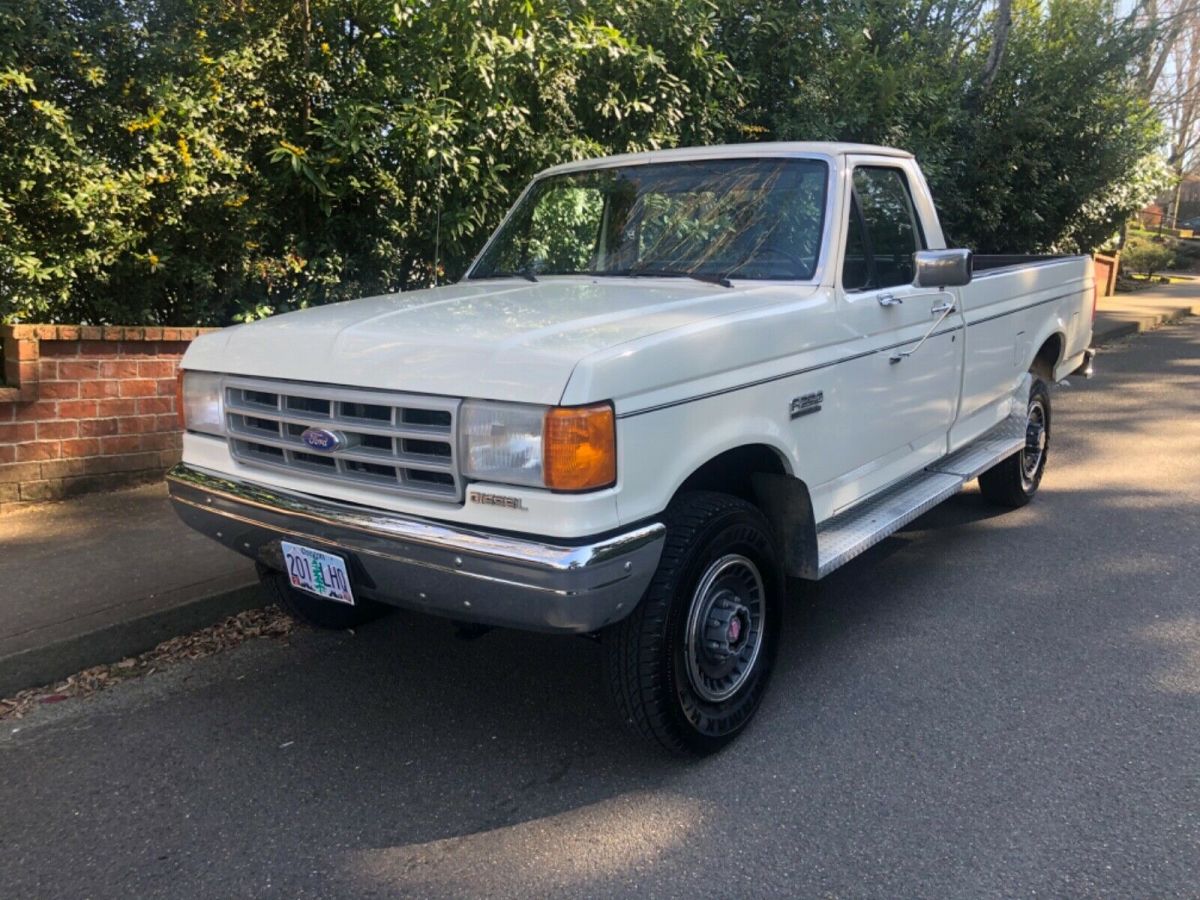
210,161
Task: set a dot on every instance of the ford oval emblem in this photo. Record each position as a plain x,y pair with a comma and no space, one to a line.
322,439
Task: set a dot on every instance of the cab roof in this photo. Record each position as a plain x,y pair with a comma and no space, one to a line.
727,151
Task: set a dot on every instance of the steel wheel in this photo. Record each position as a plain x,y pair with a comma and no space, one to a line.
725,627
688,667
1015,480
1035,442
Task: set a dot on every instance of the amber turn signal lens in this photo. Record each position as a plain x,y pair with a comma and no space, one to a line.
579,448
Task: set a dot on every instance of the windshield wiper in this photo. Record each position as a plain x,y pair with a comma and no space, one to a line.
526,273
528,276
705,277
722,280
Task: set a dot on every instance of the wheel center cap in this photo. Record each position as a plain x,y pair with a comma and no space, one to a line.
728,628
1035,438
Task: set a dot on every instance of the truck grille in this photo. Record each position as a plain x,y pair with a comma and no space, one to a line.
403,443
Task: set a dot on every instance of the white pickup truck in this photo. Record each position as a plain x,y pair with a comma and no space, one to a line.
669,381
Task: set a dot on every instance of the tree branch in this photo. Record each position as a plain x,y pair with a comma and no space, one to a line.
1000,34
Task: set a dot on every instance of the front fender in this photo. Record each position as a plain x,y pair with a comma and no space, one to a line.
658,450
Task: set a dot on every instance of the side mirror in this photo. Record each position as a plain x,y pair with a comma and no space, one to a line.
943,268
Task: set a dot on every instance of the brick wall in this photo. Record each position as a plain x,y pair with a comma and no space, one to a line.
86,408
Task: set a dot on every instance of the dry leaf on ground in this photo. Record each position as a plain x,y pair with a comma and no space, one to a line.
270,621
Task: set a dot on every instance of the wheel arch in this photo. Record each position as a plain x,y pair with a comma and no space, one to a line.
1048,356
731,470
759,473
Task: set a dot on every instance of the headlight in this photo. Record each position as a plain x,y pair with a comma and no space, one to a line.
564,448
502,442
198,402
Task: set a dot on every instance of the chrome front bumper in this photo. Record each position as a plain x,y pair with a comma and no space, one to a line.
430,566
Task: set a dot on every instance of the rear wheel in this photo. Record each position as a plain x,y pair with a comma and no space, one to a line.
1014,481
317,611
688,667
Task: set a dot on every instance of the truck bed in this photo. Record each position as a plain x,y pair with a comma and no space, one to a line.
992,262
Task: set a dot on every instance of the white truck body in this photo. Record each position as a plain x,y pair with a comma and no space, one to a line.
693,369
669,380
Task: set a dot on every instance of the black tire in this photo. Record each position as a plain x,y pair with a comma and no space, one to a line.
317,611
669,690
1014,481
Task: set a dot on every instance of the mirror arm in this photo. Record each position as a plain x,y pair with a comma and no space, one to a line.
905,354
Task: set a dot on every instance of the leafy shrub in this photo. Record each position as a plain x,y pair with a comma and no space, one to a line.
200,161
1186,253
1054,154
1146,256
205,161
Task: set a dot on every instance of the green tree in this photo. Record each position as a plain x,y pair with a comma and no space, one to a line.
208,160
1029,148
204,161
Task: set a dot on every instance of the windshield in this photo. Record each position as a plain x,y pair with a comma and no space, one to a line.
714,219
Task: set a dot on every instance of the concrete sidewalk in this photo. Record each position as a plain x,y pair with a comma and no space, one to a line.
1140,311
100,577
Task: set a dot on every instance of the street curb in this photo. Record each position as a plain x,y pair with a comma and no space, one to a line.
1143,324
53,662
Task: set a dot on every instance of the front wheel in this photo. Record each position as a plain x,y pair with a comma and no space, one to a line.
1014,481
688,667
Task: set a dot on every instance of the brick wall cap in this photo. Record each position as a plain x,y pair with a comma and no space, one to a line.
28,332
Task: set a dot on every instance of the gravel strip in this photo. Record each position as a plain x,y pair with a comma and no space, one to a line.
270,621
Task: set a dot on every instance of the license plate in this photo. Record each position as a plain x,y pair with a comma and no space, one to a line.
318,573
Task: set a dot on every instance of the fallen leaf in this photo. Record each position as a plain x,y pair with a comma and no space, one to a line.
270,621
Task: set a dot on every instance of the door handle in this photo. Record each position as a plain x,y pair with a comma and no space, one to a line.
942,308
889,300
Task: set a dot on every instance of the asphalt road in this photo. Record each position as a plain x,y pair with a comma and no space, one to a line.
987,704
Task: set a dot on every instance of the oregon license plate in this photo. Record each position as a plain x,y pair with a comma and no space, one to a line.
318,573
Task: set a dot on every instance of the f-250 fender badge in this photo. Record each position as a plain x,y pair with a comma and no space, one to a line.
496,500
807,403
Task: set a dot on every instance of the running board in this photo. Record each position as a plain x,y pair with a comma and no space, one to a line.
857,529
985,451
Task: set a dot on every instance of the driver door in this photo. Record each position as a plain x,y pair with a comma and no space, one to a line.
898,411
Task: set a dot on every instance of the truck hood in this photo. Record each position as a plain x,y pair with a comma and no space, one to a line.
500,339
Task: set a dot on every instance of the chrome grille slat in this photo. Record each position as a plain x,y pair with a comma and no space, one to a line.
377,452
415,432
411,461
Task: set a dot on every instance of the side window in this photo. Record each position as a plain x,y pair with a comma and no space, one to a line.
856,268
892,231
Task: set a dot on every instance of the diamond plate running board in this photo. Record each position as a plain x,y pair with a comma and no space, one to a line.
857,529
985,451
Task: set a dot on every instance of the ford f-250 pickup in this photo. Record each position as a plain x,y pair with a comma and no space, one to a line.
669,381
